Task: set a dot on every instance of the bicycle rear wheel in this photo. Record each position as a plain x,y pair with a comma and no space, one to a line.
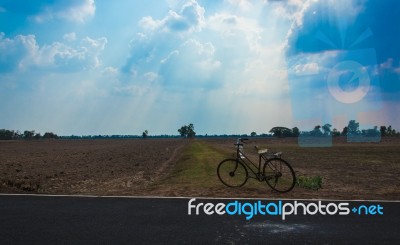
232,173
279,175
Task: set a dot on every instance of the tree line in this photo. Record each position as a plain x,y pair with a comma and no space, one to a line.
352,129
6,134
187,131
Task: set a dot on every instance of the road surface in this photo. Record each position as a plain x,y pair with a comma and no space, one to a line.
117,220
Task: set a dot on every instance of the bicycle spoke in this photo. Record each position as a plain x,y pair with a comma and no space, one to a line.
279,175
232,173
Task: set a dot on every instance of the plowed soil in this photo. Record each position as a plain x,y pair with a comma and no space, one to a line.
98,167
181,167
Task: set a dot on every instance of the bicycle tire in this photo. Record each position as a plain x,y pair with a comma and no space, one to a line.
279,175
232,173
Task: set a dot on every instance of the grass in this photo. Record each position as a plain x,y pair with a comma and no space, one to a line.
344,170
197,166
310,182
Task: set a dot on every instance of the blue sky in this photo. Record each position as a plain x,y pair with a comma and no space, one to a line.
232,66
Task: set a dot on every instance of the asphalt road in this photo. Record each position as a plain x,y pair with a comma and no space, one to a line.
116,220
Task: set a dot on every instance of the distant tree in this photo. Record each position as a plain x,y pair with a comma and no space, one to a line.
18,134
187,131
327,129
383,131
344,131
295,131
7,134
373,132
316,131
253,134
37,136
191,133
389,131
335,132
183,131
353,127
29,134
145,134
280,132
50,135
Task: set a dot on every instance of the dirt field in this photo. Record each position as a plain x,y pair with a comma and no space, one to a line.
178,167
85,166
348,170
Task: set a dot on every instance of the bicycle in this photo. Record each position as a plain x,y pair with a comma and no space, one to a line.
278,173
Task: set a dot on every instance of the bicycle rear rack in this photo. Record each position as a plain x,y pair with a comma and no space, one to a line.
268,155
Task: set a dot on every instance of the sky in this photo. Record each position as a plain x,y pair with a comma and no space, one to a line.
81,67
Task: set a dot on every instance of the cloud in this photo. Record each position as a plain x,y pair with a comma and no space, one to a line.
190,18
229,51
242,4
13,52
238,30
75,11
41,11
200,66
24,53
308,17
70,36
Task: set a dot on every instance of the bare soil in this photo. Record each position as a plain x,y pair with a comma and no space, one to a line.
151,166
349,171
98,167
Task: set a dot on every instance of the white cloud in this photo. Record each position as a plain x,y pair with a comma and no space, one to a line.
13,52
199,62
70,36
304,14
306,69
236,29
75,11
23,52
109,70
190,18
244,5
388,65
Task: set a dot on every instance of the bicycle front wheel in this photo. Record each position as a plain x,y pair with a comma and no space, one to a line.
232,173
279,175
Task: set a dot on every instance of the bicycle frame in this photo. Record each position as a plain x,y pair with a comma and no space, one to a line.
278,173
248,163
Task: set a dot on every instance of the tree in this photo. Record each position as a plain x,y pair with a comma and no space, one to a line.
37,136
372,132
316,131
29,134
344,131
353,127
389,131
50,135
383,131
187,131
183,131
295,131
280,131
145,134
335,132
7,134
327,129
253,134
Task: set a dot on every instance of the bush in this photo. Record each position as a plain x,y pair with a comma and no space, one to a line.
311,182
